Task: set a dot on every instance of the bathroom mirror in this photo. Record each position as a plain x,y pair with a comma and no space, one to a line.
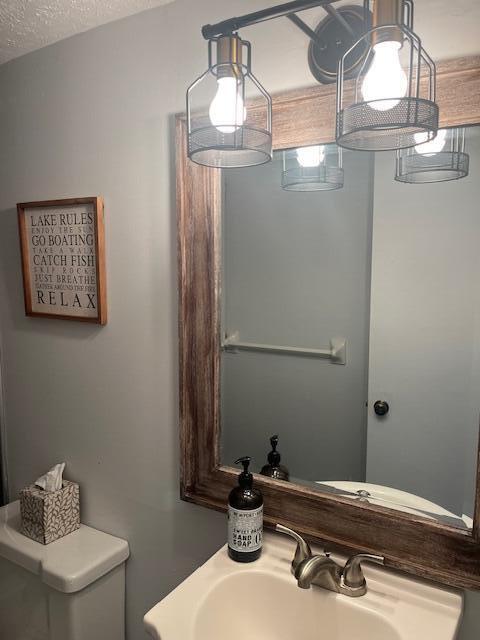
390,271
375,292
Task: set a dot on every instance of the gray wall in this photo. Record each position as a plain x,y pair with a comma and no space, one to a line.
425,293
297,273
93,115
3,438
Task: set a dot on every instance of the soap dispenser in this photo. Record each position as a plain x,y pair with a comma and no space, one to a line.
274,469
245,517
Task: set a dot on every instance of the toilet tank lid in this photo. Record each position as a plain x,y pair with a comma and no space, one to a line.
69,564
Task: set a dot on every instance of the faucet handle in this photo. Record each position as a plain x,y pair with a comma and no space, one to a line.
352,573
303,550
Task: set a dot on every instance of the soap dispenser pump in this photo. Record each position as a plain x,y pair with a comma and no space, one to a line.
245,517
274,469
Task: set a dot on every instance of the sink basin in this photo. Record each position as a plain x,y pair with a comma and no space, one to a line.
261,601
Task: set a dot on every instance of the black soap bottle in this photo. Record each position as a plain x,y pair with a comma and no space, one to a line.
274,469
245,518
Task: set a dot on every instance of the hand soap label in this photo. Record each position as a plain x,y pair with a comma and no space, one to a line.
245,529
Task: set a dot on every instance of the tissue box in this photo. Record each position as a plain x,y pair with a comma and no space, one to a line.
49,515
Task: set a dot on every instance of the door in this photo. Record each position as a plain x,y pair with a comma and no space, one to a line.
425,336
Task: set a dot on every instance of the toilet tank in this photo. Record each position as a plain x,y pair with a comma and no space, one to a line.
71,589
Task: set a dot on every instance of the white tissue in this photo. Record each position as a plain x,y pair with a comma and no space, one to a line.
52,480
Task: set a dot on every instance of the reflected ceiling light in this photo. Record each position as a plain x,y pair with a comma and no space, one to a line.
392,97
228,133
438,160
432,146
310,156
313,168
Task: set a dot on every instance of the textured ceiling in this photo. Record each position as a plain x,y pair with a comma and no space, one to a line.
26,25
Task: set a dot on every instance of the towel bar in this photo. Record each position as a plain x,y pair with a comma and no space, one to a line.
336,353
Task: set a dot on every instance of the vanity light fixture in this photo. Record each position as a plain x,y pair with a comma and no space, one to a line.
438,160
313,168
392,97
225,133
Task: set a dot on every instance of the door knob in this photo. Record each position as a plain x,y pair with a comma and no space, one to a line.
381,408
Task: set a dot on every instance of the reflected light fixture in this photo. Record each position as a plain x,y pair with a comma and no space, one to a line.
438,160
392,96
227,133
312,168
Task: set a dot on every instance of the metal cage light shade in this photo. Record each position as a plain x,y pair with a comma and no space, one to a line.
392,96
229,113
312,168
439,160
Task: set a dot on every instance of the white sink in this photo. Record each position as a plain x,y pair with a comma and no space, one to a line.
261,601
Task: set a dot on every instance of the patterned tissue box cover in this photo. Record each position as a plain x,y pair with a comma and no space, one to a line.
49,515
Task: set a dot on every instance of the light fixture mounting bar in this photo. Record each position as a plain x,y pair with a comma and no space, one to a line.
303,26
231,25
338,16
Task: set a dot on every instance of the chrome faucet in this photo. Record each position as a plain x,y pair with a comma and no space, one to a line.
324,572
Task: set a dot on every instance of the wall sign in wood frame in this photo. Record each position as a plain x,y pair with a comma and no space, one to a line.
408,542
63,259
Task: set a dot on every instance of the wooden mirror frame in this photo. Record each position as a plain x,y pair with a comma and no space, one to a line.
408,542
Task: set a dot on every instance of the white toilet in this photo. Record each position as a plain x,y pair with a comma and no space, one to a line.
71,589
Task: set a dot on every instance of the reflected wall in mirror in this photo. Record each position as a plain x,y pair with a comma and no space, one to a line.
390,270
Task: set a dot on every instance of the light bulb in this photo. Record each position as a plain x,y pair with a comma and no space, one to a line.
385,77
310,156
227,112
431,147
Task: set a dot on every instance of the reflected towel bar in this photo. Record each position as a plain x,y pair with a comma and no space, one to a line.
336,353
